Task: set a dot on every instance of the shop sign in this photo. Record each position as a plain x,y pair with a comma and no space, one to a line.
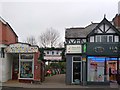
21,48
52,58
103,49
74,49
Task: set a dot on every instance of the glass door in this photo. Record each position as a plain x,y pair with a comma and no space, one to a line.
76,70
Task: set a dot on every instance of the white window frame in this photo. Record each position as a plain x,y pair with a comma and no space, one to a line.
92,39
26,60
116,38
97,39
108,38
72,67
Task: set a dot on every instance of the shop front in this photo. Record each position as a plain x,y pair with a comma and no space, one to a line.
97,48
75,64
25,66
103,63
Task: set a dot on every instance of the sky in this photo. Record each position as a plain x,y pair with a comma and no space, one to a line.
33,17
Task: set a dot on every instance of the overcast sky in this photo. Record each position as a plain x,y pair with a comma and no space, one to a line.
33,17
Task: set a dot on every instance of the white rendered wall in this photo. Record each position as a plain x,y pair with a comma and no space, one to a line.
6,68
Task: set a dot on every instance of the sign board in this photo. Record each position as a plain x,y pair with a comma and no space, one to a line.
103,49
73,49
52,58
21,48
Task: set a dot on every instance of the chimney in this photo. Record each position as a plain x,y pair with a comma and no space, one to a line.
116,21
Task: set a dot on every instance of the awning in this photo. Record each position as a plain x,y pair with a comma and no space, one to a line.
21,48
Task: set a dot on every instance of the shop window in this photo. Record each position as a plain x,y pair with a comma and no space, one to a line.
96,69
26,69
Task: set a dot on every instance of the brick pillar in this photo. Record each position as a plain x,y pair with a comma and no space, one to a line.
37,67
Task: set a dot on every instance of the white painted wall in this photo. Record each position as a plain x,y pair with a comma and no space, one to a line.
6,68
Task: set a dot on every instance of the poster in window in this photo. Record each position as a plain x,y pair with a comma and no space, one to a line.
26,70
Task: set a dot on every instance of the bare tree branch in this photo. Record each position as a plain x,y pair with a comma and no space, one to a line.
50,38
31,40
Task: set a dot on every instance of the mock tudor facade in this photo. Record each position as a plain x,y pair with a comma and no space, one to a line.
93,53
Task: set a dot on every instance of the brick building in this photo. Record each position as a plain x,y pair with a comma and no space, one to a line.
18,61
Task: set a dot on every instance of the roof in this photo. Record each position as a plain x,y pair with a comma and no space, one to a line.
6,23
79,32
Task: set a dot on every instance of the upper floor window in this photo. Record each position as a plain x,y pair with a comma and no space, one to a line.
52,52
57,52
47,52
110,38
116,39
92,39
104,38
98,38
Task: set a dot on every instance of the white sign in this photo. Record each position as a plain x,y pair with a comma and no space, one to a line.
74,49
52,57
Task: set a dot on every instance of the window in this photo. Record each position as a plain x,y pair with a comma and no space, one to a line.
110,38
116,39
47,52
92,39
76,58
26,56
26,69
57,52
103,38
98,38
96,69
52,52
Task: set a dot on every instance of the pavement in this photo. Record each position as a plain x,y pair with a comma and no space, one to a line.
56,81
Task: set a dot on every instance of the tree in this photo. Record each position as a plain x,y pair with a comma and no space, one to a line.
49,38
31,40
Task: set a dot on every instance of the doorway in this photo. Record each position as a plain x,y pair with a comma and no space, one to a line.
112,69
15,66
76,70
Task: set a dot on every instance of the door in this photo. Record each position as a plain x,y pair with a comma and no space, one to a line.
112,70
77,72
15,70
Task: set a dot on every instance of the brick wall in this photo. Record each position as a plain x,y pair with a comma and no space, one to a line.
116,21
7,35
37,67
